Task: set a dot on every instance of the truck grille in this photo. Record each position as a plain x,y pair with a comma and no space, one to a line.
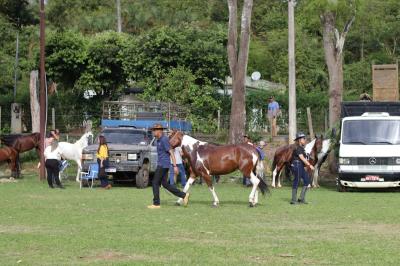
121,156
375,161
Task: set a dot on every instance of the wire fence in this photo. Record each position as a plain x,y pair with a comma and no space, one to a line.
74,122
258,122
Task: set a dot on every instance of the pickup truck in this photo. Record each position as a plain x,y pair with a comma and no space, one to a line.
132,154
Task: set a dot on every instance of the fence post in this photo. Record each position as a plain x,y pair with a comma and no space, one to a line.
310,126
0,117
53,118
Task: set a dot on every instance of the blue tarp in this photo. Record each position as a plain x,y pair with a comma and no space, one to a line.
176,124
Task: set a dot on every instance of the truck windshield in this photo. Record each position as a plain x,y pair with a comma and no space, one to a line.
375,132
125,136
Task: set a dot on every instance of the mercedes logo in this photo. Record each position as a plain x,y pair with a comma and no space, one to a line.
372,160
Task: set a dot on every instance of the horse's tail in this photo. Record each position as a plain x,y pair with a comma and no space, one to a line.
259,172
288,172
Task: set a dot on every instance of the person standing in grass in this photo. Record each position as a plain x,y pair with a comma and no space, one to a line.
165,155
181,168
246,181
52,155
102,160
299,161
272,114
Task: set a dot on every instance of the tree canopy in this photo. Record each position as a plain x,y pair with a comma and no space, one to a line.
176,50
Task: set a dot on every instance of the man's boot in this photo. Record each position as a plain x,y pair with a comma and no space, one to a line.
302,198
294,196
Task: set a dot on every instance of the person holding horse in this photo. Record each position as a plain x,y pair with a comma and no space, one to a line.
52,155
102,160
179,163
246,182
165,154
299,162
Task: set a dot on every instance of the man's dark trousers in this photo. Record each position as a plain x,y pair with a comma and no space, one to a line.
161,175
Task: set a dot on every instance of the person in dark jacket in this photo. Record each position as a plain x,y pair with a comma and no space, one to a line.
165,156
299,161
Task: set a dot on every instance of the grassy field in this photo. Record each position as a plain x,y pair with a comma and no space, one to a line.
40,226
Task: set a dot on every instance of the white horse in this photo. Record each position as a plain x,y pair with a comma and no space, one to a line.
73,151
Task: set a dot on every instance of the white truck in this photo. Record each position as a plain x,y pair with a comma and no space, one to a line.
369,152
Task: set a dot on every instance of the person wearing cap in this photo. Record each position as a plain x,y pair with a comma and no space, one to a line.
299,161
165,155
273,110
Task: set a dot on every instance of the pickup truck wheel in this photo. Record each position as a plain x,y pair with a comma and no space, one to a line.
142,178
340,188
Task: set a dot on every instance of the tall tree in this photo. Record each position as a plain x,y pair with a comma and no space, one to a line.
238,58
333,42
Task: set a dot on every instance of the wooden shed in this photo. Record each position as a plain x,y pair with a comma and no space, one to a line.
385,82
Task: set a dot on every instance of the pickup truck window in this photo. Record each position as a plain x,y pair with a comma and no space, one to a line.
129,137
371,132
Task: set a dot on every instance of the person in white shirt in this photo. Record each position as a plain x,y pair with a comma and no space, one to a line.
181,168
52,155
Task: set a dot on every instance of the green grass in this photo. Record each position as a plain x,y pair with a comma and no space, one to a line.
40,226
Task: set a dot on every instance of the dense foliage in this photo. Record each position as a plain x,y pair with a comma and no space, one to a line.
176,51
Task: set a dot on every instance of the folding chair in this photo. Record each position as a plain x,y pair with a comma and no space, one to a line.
92,174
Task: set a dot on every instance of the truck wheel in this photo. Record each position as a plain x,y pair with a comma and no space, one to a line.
142,178
339,187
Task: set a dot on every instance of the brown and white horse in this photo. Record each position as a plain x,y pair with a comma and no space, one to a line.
207,159
10,156
283,156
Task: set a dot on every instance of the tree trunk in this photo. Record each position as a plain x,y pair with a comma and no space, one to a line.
335,69
35,110
238,67
333,47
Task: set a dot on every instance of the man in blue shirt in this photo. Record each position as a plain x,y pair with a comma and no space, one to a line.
165,154
273,110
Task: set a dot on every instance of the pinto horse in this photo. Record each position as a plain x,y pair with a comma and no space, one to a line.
207,159
321,158
10,155
283,157
73,151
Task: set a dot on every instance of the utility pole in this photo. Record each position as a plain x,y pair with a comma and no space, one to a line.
42,98
119,25
292,73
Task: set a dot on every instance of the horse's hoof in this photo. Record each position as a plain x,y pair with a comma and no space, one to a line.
251,204
215,205
279,186
272,185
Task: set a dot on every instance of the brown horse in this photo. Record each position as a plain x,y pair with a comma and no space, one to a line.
22,143
10,156
206,160
283,157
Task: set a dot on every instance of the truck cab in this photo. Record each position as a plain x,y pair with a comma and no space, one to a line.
369,152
